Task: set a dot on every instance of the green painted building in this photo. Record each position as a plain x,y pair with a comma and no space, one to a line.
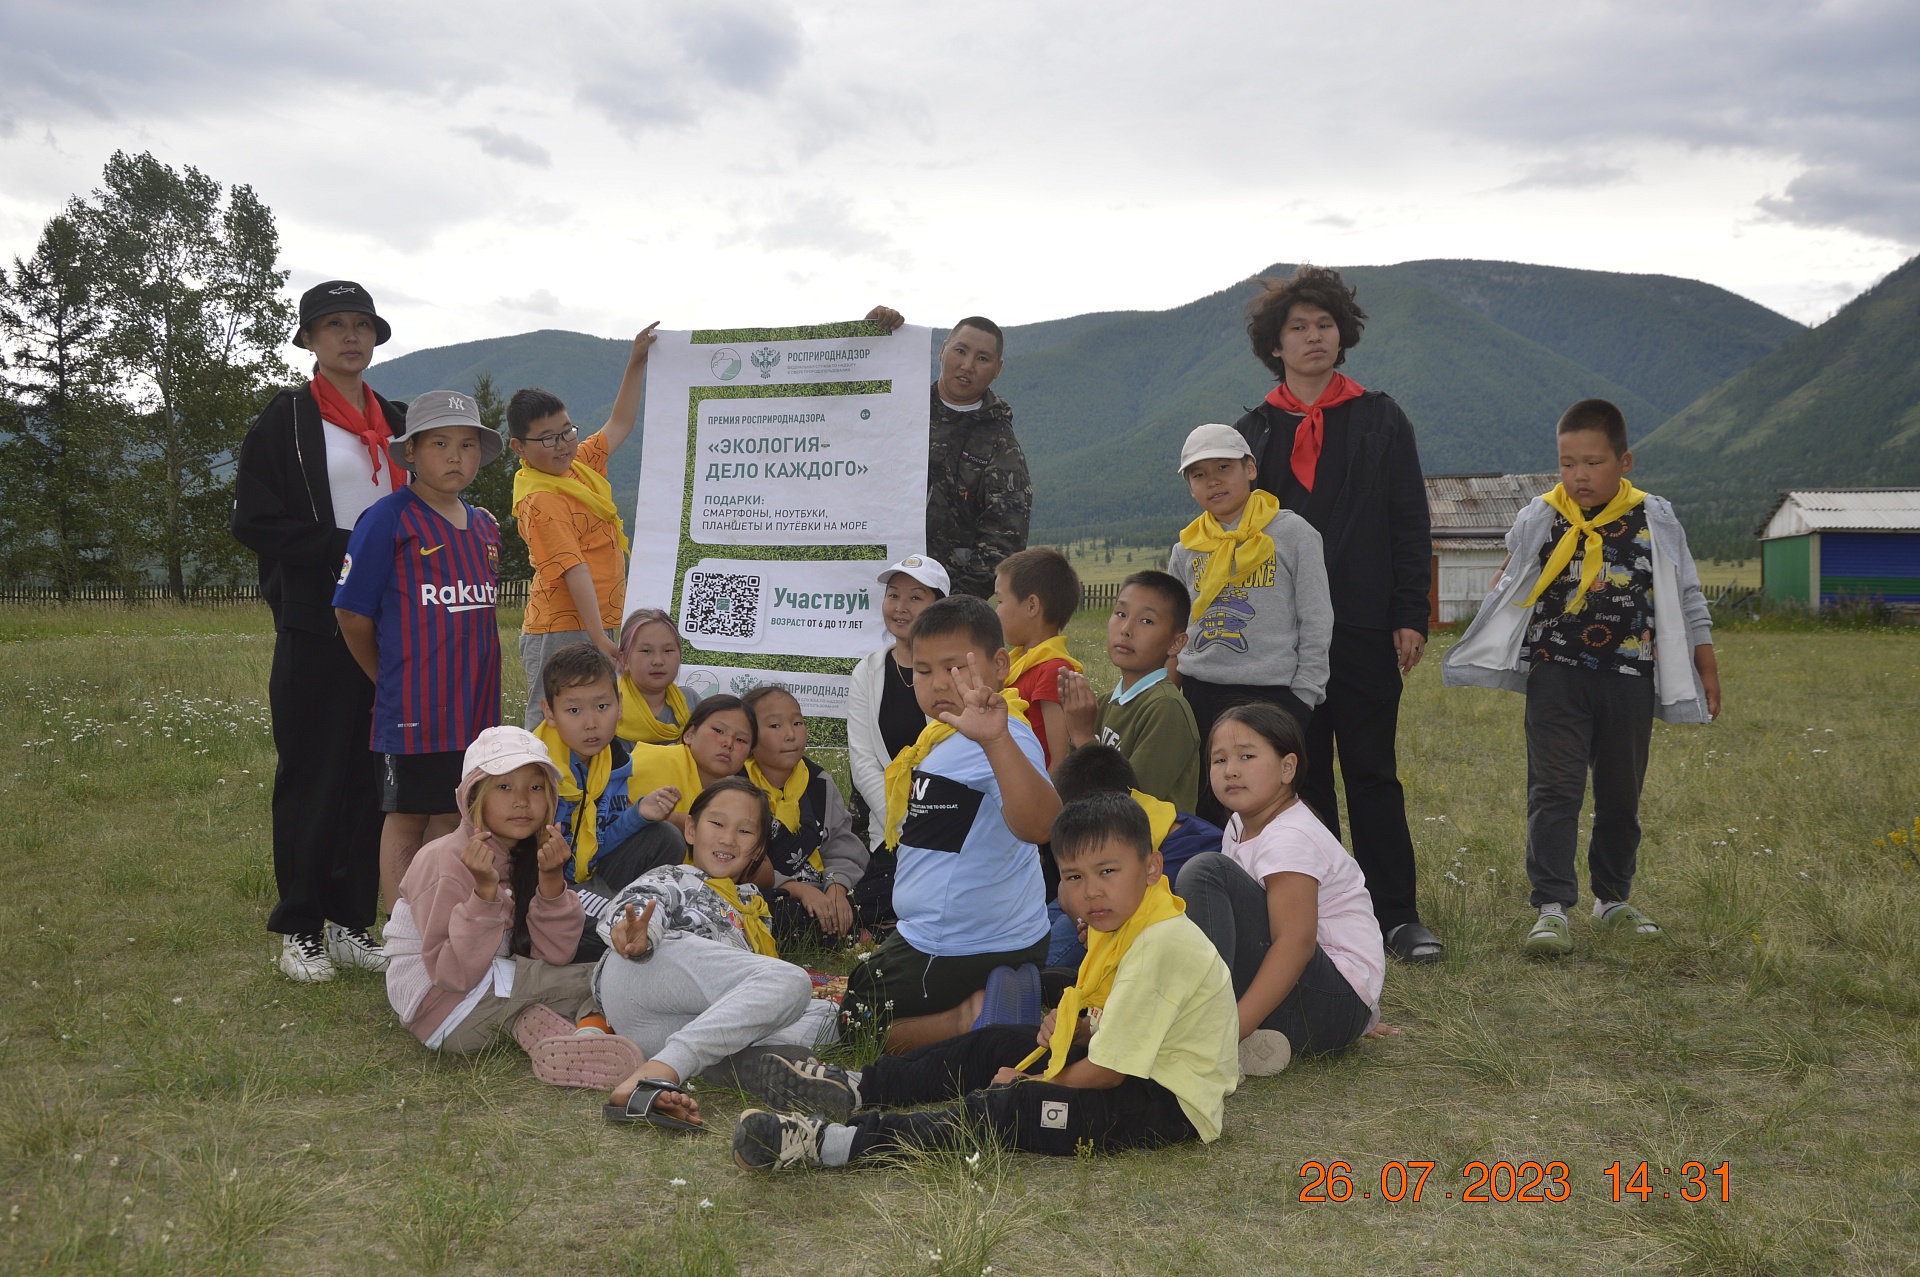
1832,545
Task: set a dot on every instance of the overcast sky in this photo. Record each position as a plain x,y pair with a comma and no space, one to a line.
486,168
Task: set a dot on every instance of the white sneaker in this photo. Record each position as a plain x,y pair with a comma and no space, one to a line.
304,958
352,947
1265,1052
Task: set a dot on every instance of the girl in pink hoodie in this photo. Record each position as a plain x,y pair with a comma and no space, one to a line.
486,924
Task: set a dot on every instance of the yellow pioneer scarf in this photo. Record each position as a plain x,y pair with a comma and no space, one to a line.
655,766
1160,815
1626,499
586,815
639,724
1226,563
785,799
1105,949
1054,649
753,917
583,483
900,770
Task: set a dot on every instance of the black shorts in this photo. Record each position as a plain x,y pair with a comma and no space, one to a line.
898,981
421,784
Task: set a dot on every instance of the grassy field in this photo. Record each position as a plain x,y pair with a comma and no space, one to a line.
171,1105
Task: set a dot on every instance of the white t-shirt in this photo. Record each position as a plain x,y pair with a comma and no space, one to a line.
1296,842
975,406
350,475
965,883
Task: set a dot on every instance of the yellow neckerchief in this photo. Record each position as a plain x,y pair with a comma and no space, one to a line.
657,765
1160,815
1025,658
1225,562
1624,500
786,800
640,725
1105,949
586,815
900,770
583,483
753,917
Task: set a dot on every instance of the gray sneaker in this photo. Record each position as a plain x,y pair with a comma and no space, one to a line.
304,958
764,1141
352,947
805,1086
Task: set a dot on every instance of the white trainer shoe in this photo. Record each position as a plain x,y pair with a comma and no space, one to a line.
304,958
352,947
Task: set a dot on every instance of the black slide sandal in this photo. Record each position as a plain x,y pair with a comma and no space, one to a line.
652,1087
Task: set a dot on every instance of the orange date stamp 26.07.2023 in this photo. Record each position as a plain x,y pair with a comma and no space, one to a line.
1530,1181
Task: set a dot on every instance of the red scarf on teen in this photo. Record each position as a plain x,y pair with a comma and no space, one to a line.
370,425
1312,432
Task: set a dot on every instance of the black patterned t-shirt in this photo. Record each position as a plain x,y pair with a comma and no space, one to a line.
1613,630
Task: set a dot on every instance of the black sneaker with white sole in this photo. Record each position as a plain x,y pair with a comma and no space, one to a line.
352,947
805,1086
304,958
764,1141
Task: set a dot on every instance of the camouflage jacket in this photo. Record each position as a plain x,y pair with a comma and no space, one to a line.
978,494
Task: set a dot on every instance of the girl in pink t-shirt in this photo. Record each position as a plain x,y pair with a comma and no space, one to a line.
1282,900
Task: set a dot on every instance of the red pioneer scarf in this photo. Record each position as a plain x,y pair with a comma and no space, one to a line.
370,425
1313,431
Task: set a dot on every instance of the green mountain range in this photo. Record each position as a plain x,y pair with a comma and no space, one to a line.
1484,356
1838,407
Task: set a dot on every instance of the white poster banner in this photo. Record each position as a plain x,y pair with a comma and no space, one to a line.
781,469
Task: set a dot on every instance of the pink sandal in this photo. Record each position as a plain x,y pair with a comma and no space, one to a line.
538,1023
597,1062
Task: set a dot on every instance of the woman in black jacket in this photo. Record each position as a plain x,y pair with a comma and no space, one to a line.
315,459
1344,458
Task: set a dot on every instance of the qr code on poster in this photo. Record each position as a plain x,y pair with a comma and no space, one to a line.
722,605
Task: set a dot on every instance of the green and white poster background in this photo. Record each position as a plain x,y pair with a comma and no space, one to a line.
781,469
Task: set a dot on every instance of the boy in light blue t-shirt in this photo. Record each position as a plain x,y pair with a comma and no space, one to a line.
968,804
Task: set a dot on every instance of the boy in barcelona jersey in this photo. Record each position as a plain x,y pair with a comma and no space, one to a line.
416,606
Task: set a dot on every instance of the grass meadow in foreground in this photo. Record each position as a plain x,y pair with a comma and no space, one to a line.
172,1105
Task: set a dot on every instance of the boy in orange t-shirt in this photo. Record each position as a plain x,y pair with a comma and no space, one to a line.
1039,592
564,510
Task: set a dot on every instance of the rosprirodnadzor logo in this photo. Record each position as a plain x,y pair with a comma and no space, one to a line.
766,359
725,363
459,597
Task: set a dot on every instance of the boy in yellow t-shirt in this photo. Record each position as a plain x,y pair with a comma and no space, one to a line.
1150,1062
564,509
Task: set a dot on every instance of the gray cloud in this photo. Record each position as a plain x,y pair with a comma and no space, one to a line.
1567,174
540,301
749,49
507,146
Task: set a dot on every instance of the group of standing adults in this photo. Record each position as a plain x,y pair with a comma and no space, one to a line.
1346,461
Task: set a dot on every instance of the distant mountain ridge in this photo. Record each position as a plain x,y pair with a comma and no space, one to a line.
1484,356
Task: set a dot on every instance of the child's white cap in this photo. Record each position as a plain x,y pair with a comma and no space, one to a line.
500,750
1210,441
440,408
922,569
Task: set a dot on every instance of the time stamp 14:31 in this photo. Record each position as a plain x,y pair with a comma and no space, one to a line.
1518,1182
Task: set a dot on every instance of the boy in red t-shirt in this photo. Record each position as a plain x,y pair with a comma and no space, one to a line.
1039,592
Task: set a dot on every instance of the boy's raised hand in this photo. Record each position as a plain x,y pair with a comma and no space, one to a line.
478,858
660,803
642,343
1081,706
983,711
630,931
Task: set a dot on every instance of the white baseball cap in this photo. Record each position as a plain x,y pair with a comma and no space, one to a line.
922,569
500,750
1210,441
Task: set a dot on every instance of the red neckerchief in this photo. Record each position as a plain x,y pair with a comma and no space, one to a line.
1312,432
370,425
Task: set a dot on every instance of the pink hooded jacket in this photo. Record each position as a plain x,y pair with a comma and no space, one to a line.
442,938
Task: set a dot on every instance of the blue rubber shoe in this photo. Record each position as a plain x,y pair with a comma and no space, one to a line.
1013,997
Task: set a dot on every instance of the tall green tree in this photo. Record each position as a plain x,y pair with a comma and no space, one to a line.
192,286
62,441
492,490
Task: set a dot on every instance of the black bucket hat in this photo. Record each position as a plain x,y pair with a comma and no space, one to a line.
333,297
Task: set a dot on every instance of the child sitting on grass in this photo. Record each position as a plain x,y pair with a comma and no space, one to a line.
814,859
1149,1063
415,605
966,805
1177,835
654,710
1282,901
1039,593
718,737
1595,569
692,975
1147,718
485,926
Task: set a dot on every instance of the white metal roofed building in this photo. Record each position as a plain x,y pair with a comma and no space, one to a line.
1470,514
1821,546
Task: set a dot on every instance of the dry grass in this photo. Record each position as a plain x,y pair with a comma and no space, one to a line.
172,1106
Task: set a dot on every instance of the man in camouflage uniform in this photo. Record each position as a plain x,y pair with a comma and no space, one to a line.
979,497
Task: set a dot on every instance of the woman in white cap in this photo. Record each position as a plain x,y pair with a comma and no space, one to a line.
313,461
883,717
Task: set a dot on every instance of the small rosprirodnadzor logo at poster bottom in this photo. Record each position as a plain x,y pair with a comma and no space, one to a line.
766,359
725,363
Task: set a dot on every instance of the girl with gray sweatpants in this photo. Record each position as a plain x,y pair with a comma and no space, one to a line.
699,993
